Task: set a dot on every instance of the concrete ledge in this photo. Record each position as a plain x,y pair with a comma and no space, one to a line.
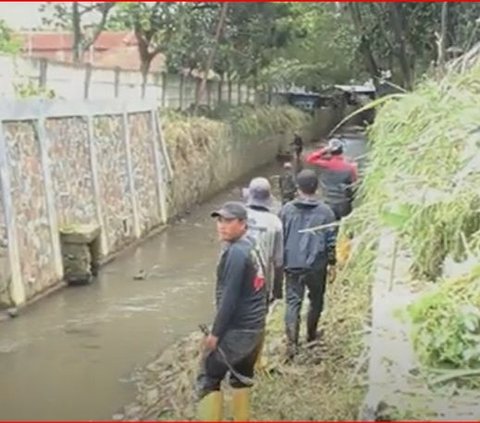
397,389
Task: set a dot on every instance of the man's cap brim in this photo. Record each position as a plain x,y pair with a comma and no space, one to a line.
223,213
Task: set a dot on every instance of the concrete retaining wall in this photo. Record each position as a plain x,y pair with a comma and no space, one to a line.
65,164
208,157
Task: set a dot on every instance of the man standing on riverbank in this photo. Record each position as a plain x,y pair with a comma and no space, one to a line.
266,228
239,324
288,187
307,256
337,176
297,146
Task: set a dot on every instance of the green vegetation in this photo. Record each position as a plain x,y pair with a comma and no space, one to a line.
447,328
8,43
244,123
417,181
422,182
264,121
29,89
309,44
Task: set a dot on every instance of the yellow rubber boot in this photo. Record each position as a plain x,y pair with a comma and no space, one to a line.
344,247
241,404
210,407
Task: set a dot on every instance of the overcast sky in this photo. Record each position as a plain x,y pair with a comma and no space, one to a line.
20,15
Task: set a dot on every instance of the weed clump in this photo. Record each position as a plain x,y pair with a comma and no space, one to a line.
446,332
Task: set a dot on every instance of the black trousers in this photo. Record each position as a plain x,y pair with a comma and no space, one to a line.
241,348
296,284
341,210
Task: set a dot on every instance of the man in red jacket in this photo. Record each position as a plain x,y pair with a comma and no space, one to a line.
337,176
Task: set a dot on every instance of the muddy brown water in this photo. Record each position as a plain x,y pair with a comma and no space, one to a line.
71,356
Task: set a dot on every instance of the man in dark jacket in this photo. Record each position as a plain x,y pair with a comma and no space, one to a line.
307,256
298,146
288,187
337,177
239,324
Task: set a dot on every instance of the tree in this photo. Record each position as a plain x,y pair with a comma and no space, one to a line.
211,56
254,34
320,48
154,26
405,37
182,32
8,43
73,16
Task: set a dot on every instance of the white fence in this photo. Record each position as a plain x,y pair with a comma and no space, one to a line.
72,82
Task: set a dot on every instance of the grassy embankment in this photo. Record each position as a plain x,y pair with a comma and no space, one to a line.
423,182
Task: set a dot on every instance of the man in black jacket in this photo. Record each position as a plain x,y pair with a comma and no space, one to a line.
307,256
239,324
288,187
298,146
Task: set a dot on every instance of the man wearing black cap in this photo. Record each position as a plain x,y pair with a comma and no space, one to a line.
239,324
307,256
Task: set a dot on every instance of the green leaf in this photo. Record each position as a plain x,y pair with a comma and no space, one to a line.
396,217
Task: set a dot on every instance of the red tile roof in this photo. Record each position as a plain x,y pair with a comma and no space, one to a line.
47,41
128,58
111,49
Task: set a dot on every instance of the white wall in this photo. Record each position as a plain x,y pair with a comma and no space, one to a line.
69,82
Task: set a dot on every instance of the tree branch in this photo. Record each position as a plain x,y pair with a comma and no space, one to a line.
86,9
218,35
382,27
365,47
106,7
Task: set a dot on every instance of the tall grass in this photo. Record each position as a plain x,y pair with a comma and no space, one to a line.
423,181
242,123
420,145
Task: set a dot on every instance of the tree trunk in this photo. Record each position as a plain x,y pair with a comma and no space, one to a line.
365,48
77,34
144,69
211,56
442,42
146,57
398,24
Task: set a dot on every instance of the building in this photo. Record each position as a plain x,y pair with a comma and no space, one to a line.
110,49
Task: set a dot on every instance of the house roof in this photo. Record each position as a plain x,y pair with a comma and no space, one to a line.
128,58
356,88
50,40
112,49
